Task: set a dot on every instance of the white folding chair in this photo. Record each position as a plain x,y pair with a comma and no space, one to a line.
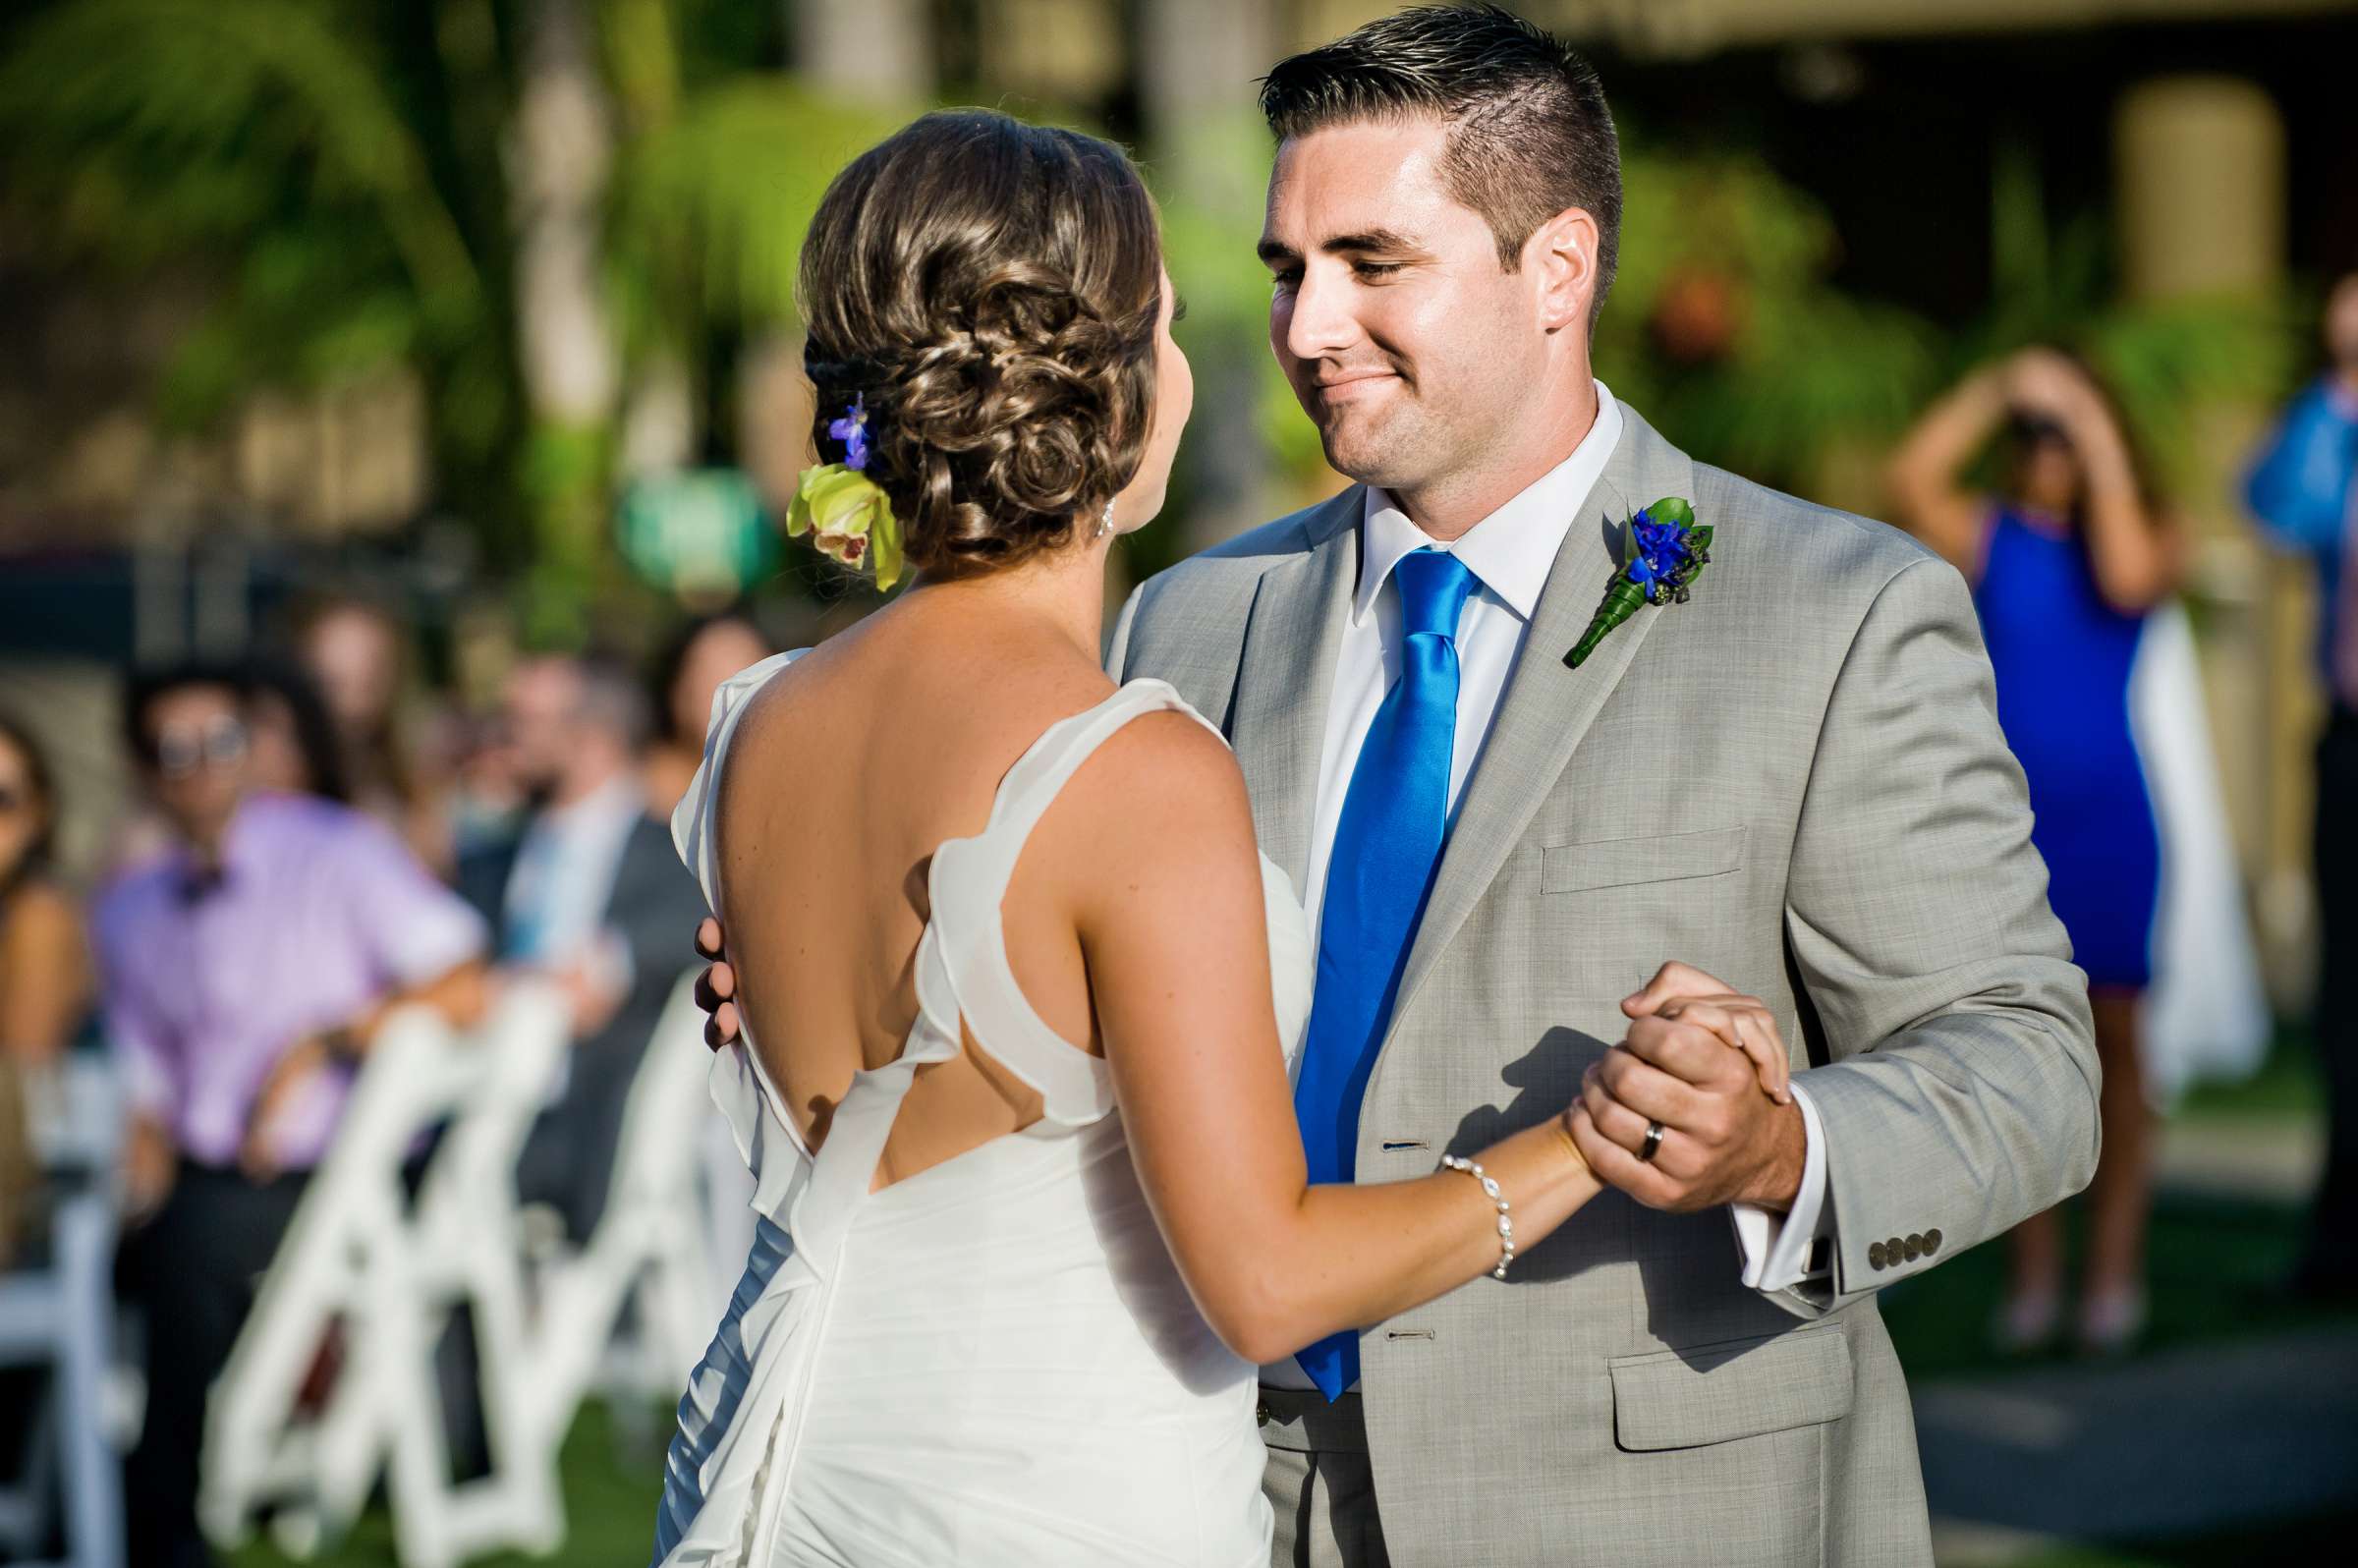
62,1316
362,1254
629,1313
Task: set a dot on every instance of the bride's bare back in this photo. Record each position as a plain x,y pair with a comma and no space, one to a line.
849,770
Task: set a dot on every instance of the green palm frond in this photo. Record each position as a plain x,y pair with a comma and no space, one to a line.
1817,370
710,210
2164,361
155,122
1808,369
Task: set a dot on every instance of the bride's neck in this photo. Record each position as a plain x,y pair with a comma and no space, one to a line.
1064,591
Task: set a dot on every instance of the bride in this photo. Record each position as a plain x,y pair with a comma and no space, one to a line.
1016,989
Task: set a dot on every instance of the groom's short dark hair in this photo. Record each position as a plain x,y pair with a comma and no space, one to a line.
1529,131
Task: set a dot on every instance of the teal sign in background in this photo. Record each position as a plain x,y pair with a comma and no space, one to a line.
700,533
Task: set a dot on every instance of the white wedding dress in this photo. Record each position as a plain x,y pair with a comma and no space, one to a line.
994,1361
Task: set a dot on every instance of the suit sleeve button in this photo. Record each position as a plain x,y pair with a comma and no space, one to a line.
1875,1254
1932,1242
1914,1248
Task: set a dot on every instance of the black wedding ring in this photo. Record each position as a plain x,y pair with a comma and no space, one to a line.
1653,1145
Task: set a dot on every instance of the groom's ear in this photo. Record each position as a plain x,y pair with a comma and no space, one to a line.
1561,256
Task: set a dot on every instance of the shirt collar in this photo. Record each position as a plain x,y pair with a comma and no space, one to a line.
1513,549
619,801
194,878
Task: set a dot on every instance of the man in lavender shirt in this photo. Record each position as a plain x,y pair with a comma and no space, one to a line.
244,973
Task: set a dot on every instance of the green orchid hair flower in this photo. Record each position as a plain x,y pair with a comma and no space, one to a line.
850,519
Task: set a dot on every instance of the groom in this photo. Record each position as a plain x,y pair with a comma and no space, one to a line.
1794,780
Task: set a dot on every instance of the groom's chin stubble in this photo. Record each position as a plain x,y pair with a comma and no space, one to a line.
1353,441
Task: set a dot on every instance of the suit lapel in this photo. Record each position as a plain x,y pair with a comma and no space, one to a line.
1546,708
1286,679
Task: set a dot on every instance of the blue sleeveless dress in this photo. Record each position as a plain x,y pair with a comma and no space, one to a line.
2062,658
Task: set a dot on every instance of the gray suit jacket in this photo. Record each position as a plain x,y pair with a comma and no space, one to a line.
1796,783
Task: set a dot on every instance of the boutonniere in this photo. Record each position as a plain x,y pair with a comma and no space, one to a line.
1666,551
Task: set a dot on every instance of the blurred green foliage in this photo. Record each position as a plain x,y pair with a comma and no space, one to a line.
1723,328
2165,362
341,175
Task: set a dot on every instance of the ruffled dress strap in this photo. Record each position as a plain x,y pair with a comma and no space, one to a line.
968,885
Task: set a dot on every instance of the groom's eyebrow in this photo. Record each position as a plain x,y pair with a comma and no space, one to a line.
1382,241
1366,241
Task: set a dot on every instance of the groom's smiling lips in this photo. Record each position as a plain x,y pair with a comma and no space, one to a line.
1346,386
1338,389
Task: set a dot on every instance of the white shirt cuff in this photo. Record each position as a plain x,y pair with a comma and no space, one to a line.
1776,1248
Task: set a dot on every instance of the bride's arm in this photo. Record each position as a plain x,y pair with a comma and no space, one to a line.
1168,901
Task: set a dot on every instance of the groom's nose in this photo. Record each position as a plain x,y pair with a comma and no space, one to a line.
1320,324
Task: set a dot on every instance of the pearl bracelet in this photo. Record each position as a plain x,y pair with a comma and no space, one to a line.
1489,1190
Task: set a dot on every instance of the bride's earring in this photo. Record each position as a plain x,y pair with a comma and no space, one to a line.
1104,524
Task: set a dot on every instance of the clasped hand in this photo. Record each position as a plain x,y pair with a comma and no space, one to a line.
1730,1130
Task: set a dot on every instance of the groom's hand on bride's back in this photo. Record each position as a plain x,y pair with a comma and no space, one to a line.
716,988
1709,1065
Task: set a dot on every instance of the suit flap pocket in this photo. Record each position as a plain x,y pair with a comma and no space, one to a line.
1718,1393
1613,862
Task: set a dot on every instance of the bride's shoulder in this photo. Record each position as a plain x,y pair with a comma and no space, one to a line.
1165,767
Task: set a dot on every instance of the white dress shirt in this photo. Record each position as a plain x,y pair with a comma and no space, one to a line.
563,879
1510,553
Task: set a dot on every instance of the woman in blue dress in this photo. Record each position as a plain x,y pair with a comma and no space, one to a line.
2065,564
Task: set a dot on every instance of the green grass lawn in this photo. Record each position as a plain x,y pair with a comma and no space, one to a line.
2214,1265
2286,1085
2214,1261
612,1481
2291,1545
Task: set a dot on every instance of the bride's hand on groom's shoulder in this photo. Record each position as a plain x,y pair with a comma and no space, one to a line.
1708,1066
716,988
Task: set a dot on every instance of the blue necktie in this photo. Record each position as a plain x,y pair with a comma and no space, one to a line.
1387,844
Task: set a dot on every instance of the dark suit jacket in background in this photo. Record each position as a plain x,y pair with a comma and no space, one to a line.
569,1160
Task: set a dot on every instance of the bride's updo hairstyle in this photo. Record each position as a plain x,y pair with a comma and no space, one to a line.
991,290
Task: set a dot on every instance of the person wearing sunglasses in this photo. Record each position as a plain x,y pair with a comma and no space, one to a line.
244,973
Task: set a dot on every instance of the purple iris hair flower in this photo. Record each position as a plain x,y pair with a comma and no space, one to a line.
852,432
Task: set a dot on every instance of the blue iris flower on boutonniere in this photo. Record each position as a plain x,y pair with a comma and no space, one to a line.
1666,551
1658,557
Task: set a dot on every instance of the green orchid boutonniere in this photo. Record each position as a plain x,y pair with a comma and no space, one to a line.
1666,551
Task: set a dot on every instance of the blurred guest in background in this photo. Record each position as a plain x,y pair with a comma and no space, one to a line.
2067,564
701,654
44,975
2305,489
292,741
244,973
359,654
485,801
291,746
591,893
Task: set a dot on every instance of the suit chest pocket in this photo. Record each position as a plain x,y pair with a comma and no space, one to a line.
1621,861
